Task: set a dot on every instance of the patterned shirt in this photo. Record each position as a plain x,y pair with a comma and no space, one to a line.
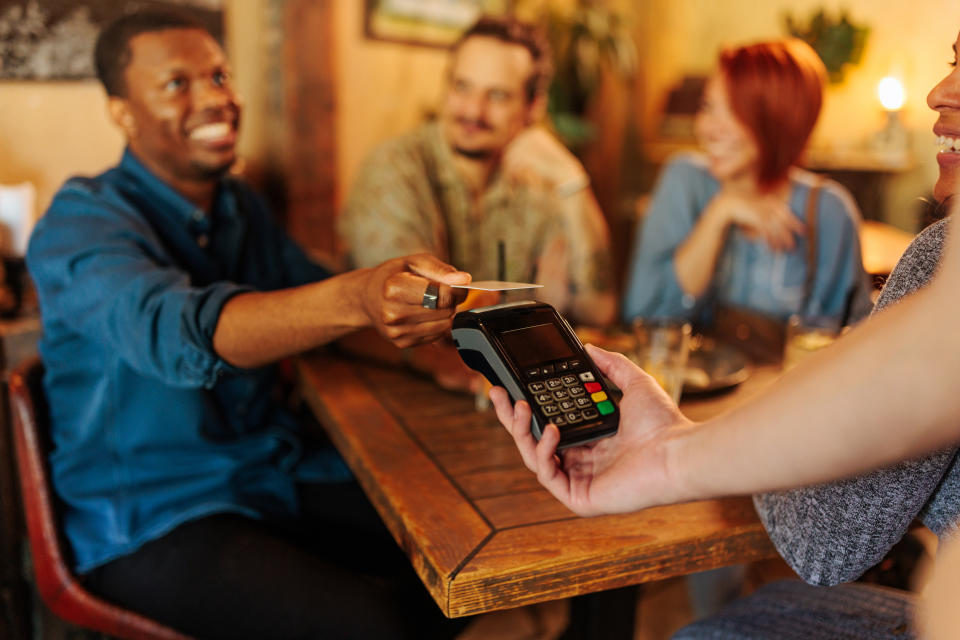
409,198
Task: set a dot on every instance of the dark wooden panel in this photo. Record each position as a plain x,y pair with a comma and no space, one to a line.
311,145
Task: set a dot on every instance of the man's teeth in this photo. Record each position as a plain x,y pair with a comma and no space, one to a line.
211,131
948,145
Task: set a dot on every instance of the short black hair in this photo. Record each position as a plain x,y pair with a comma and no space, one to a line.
525,34
112,54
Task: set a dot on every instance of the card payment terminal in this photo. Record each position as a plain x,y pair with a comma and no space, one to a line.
530,350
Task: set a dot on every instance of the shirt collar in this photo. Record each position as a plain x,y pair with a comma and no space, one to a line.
497,190
169,200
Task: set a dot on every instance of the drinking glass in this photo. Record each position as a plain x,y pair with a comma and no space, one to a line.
806,335
661,349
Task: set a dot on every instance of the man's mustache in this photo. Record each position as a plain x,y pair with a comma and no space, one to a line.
479,124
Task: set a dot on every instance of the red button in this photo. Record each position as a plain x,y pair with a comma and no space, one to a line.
592,387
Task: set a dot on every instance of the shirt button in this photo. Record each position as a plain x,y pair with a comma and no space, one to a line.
198,215
203,240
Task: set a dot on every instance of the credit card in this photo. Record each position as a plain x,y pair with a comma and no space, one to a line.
496,285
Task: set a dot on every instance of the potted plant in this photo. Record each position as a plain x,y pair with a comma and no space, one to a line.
588,38
838,42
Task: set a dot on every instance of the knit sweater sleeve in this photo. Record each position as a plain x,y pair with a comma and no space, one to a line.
833,532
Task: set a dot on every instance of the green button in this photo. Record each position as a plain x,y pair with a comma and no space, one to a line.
606,407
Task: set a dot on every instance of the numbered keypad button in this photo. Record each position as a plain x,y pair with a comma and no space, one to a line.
584,402
544,398
550,409
576,391
554,383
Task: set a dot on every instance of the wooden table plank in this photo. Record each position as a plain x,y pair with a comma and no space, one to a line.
481,532
489,483
524,565
411,493
500,454
523,508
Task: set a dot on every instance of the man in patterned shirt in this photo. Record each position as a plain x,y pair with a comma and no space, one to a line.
486,175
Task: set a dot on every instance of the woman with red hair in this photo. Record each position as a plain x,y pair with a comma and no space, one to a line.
733,226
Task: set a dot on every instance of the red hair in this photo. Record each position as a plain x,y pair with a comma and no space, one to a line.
775,90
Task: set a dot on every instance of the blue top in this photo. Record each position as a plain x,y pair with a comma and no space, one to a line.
748,273
150,426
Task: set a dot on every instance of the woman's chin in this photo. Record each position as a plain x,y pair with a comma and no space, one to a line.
946,187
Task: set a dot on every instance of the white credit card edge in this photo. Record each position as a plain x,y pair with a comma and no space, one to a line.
496,285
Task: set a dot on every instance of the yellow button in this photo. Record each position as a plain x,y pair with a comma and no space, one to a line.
599,396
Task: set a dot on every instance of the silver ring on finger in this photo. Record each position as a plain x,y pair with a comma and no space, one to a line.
431,296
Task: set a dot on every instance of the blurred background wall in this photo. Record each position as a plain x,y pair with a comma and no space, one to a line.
51,130
911,40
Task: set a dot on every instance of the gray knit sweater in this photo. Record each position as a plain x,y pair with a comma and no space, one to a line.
832,533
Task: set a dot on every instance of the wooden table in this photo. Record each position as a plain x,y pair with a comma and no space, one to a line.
481,533
881,246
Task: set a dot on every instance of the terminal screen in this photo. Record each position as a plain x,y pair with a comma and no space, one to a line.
532,345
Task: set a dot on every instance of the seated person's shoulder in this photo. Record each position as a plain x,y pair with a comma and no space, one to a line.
82,196
689,164
685,180
85,187
916,266
399,152
689,171
86,206
929,242
834,200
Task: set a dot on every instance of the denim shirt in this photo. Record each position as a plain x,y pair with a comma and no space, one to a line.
748,273
150,427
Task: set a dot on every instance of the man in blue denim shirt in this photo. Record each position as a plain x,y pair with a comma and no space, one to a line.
167,293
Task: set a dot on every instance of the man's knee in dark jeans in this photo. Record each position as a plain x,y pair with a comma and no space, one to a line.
228,576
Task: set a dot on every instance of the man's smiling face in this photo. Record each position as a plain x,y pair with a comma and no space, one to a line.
179,109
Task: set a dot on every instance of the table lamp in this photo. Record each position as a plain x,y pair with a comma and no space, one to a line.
892,139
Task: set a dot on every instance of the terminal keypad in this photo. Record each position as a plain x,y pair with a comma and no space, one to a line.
567,393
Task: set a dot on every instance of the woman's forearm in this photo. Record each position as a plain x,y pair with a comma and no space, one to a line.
887,391
695,260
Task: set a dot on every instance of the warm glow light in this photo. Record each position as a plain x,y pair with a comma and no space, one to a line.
891,94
